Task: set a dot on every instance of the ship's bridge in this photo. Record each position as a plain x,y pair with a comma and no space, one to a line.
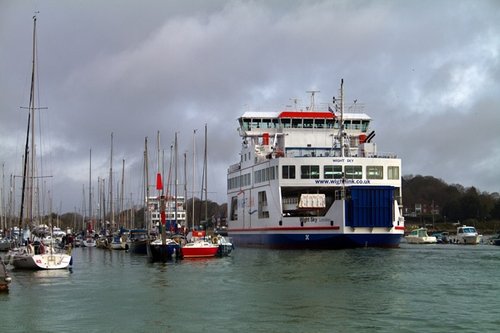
302,133
260,122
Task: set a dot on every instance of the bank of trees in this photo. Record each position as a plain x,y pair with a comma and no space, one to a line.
451,203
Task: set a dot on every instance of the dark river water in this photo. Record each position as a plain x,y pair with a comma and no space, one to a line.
416,288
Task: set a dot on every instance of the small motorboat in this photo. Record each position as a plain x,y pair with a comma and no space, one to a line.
199,249
420,236
467,235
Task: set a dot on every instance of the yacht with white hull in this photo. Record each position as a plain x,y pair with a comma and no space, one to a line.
310,178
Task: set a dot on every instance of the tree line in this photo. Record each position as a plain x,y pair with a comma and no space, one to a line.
448,202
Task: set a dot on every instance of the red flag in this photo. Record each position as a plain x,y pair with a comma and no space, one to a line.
159,184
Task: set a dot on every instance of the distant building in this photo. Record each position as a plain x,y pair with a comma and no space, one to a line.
172,215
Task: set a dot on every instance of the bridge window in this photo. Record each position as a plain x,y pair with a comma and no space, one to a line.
296,123
246,124
308,123
287,123
266,123
364,125
319,123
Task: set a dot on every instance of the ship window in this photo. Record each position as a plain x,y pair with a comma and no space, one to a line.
347,124
319,123
332,171
266,123
234,209
364,125
374,172
288,172
296,123
393,172
308,123
246,124
275,123
353,172
271,173
255,123
336,125
309,172
262,205
330,123
286,123
356,125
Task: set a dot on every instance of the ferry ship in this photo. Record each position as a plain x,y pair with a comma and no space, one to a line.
313,178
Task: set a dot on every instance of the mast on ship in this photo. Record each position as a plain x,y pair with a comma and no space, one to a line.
312,92
342,131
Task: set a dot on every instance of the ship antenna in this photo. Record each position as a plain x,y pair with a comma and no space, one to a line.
312,92
342,132
295,101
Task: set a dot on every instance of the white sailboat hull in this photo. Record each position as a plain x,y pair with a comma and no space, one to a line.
40,261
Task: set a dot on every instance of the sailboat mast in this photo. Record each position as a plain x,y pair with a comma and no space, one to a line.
122,222
161,197
146,186
185,185
112,211
30,122
194,177
90,184
205,175
31,177
175,182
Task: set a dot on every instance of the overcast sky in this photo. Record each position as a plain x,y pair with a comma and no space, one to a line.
427,72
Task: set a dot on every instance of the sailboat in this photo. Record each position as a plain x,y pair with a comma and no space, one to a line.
199,246
36,254
163,249
119,240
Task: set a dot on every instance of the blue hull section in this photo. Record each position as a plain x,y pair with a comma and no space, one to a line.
164,253
315,241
